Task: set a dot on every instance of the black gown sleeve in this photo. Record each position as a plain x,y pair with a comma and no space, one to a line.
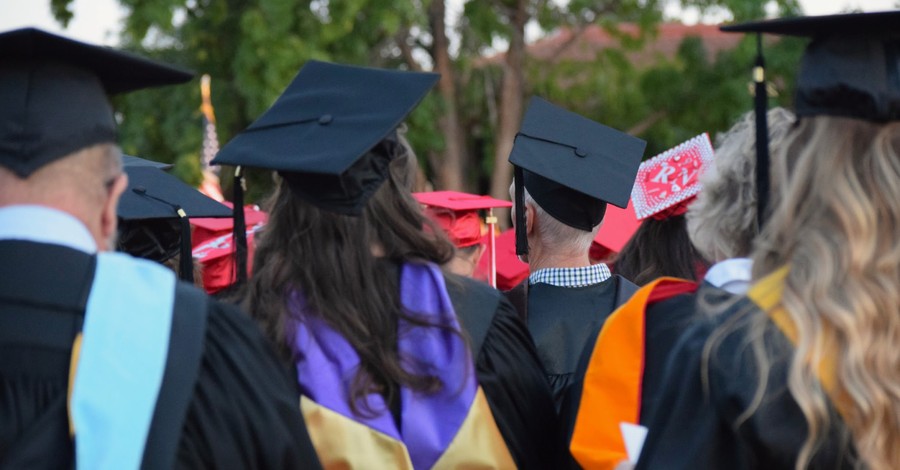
516,388
245,410
700,421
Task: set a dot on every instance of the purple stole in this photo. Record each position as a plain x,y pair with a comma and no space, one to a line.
429,423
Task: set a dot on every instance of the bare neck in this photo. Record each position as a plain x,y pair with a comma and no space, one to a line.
544,258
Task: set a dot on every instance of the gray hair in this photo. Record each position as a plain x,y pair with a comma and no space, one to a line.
722,221
557,235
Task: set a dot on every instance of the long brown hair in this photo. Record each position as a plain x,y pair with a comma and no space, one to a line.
328,259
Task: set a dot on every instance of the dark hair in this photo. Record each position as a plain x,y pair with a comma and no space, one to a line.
659,248
327,258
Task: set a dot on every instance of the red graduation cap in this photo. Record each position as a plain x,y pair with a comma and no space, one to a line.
666,183
457,213
208,228
214,247
618,227
510,269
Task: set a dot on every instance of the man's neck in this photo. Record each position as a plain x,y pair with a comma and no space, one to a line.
557,260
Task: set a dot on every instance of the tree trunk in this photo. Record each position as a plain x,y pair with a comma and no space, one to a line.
450,172
511,106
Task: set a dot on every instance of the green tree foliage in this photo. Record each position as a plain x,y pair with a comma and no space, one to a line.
253,48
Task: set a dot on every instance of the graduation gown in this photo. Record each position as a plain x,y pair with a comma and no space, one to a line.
641,336
520,422
695,422
508,368
240,406
561,321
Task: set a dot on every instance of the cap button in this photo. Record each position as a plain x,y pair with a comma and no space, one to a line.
580,152
325,119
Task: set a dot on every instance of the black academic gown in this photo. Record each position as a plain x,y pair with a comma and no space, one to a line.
691,428
664,323
561,321
509,372
241,404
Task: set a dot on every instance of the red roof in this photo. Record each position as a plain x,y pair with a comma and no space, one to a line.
560,45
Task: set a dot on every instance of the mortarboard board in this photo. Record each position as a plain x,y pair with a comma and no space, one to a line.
53,95
457,213
154,210
129,160
216,260
667,182
323,133
851,68
571,166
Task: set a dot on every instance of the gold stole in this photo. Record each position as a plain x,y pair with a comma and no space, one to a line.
766,294
342,443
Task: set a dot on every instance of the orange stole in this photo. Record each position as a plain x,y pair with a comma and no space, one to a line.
342,443
612,382
766,294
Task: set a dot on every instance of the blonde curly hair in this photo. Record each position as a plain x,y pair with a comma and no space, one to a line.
836,226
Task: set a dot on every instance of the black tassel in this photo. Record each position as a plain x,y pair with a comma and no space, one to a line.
521,230
240,229
186,263
762,136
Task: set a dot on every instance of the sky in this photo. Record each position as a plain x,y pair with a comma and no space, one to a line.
97,21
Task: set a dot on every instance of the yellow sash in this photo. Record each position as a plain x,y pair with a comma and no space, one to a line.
766,294
342,443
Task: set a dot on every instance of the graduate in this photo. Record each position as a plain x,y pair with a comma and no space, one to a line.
399,365
802,371
154,213
458,215
567,169
722,223
107,361
666,186
619,376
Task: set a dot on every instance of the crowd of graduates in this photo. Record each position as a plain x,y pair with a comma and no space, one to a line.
721,306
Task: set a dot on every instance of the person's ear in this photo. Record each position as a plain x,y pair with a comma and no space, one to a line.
530,215
109,221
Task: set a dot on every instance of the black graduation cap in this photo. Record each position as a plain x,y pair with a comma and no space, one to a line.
129,160
53,95
571,166
851,68
329,136
154,210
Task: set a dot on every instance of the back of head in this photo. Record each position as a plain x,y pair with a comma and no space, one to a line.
833,231
659,248
722,222
337,263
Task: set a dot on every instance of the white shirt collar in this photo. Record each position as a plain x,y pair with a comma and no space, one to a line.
45,225
733,275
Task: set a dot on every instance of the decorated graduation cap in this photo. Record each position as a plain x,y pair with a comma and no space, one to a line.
457,213
571,166
154,211
331,135
666,183
53,95
850,68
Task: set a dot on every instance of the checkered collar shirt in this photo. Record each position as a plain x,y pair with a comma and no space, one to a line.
571,277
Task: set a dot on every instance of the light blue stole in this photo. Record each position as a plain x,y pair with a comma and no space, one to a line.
125,343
